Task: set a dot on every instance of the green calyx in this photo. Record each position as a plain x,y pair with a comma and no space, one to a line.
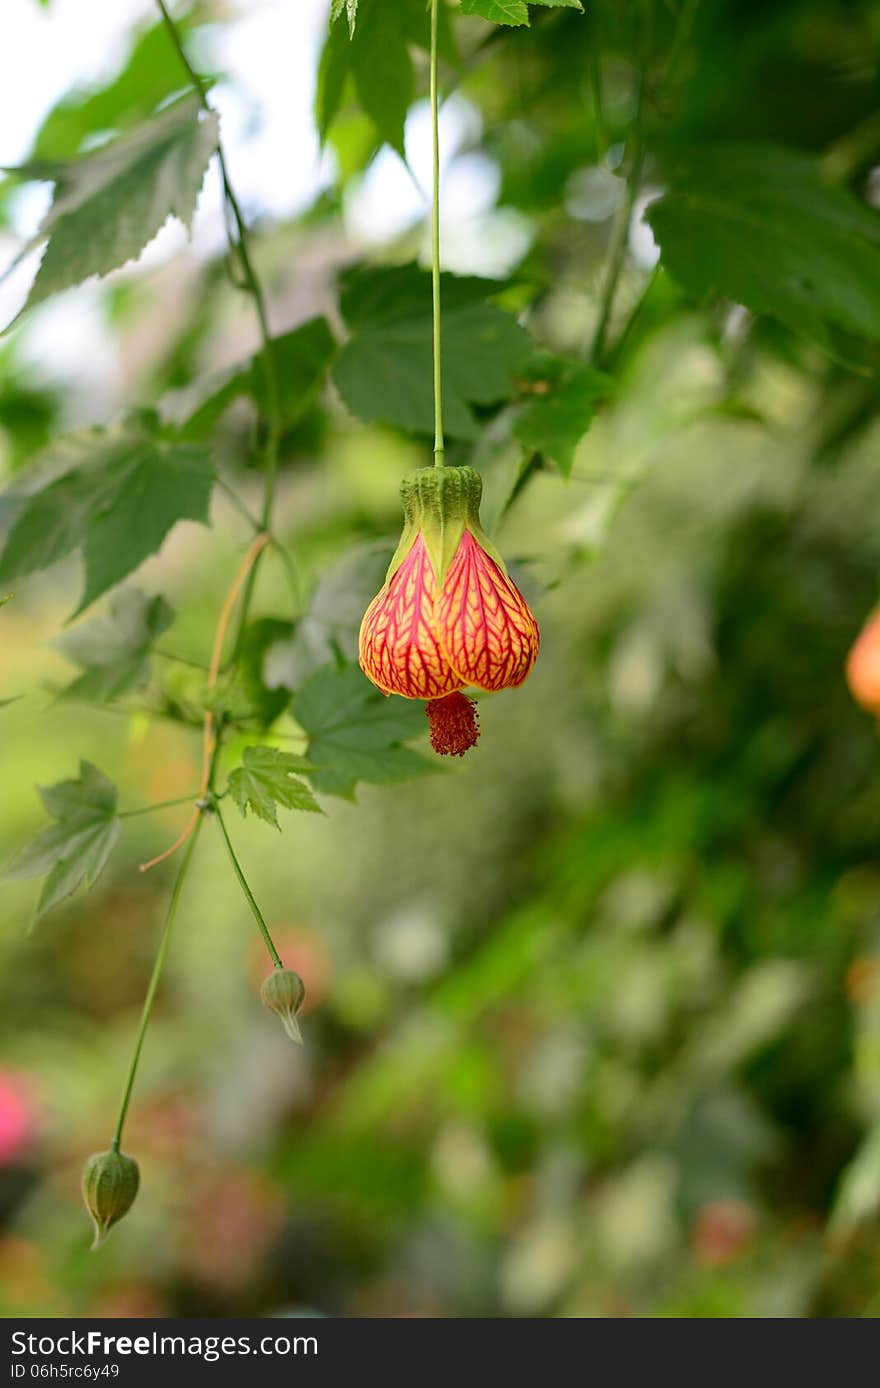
110,1183
440,503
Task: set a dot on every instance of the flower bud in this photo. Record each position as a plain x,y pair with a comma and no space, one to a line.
284,992
110,1183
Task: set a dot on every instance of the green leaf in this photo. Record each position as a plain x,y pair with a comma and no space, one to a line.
119,494
376,57
267,702
350,7
513,12
498,11
113,651
562,410
266,780
355,732
152,73
109,204
301,360
75,849
759,226
328,629
383,372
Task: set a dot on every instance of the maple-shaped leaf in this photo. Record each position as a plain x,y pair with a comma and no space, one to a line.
119,493
356,732
113,650
267,779
76,847
110,203
563,396
383,372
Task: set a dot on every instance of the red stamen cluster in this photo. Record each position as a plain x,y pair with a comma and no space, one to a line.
454,724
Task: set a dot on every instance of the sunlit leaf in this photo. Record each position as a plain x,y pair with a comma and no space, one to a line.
110,203
267,779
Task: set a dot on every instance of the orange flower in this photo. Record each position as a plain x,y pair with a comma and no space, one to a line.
448,615
863,665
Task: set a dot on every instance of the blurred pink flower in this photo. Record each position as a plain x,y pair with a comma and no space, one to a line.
17,1116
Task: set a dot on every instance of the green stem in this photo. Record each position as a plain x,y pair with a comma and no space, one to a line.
161,805
596,86
623,215
439,445
617,246
180,659
249,896
683,26
154,982
240,246
239,504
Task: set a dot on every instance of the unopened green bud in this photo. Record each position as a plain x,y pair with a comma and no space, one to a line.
110,1183
284,992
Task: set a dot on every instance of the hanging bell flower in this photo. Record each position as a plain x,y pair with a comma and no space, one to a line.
283,992
110,1183
448,616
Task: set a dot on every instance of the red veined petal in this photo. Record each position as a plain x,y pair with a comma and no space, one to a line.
399,650
485,626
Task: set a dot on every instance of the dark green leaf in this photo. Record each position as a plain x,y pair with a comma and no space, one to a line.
75,849
113,650
384,370
266,780
329,628
377,58
259,638
119,494
109,204
301,360
562,410
759,226
355,732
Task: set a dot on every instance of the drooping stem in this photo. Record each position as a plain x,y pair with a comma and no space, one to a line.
240,247
160,805
635,157
439,444
153,986
249,896
242,578
246,576
619,234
